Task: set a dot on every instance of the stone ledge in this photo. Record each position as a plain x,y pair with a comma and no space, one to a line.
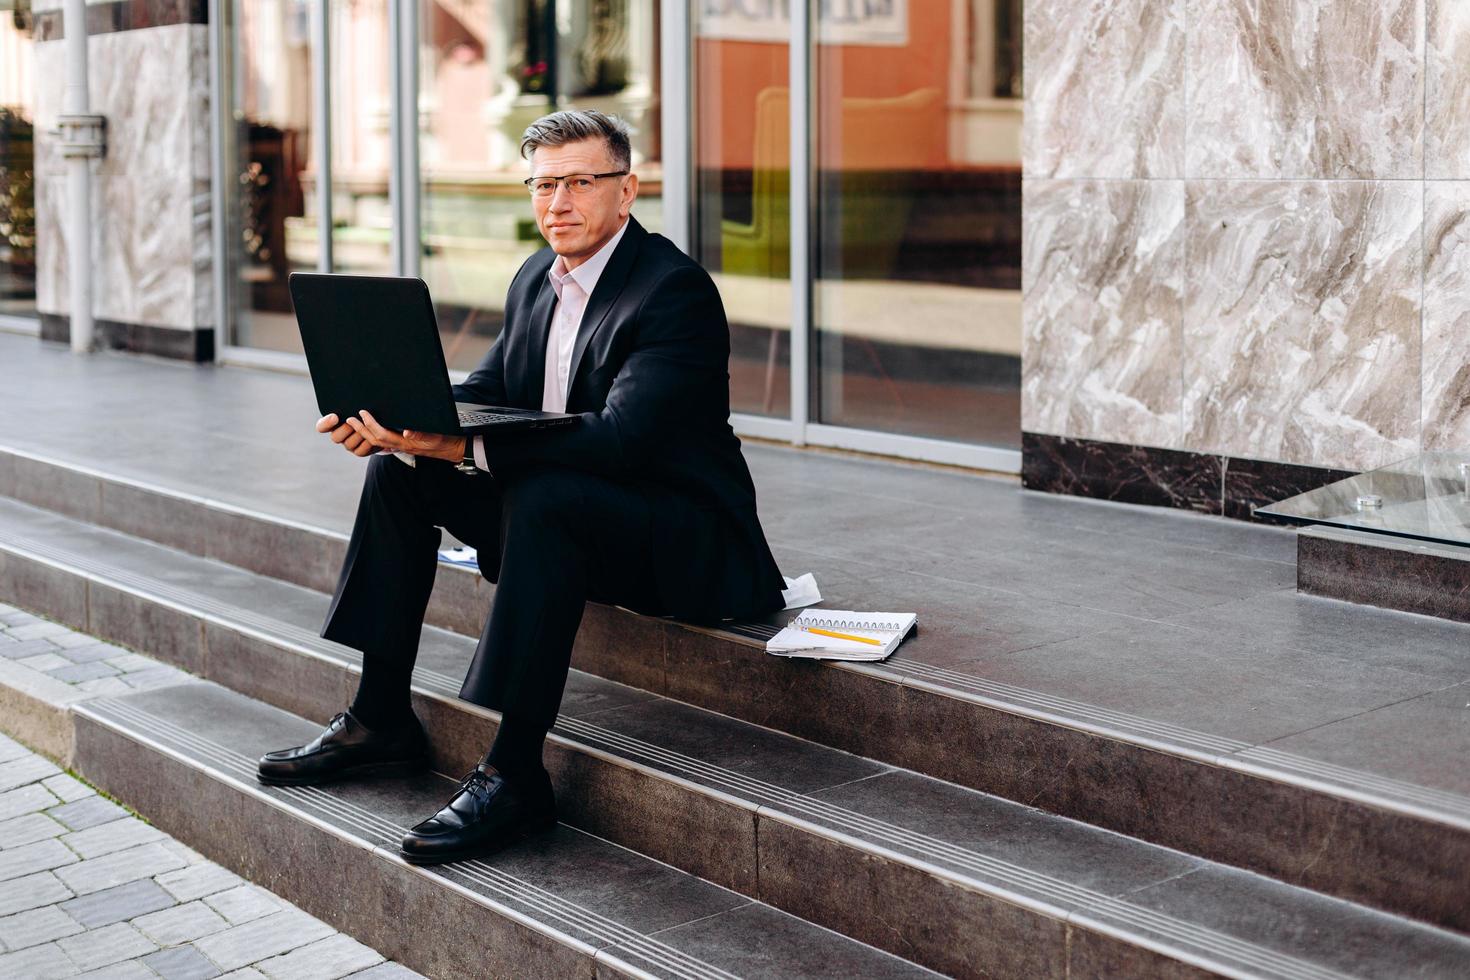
179,343
36,697
1382,570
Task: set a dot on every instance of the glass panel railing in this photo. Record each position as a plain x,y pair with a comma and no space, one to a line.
1425,496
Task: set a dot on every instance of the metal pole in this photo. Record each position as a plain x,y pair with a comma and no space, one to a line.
676,125
801,210
221,101
403,183
80,138
321,111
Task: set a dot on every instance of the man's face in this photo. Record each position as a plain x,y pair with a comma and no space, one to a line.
577,225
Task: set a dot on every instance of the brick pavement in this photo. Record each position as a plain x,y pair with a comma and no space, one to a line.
89,665
88,889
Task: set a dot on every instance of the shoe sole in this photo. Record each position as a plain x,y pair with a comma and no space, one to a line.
407,767
479,850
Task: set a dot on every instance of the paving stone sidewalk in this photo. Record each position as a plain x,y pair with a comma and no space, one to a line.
88,889
92,667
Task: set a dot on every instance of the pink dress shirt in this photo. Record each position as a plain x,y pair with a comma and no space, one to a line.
573,288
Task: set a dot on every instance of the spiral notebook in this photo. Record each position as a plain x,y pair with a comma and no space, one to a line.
811,634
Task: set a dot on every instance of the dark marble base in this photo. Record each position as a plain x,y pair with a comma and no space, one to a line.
1113,471
125,15
1202,482
1395,573
1252,483
138,338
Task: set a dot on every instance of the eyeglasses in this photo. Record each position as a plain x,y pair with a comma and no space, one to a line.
576,183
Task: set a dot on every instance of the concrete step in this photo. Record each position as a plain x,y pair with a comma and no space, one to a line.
563,904
1380,841
896,859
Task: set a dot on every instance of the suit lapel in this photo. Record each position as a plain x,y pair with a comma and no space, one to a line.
609,287
534,380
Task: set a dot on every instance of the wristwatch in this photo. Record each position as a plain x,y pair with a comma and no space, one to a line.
467,465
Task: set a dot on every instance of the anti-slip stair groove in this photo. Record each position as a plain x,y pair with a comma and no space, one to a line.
1381,791
1018,885
382,832
1378,786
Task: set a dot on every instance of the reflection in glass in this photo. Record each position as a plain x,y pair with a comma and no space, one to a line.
270,215
361,95
916,242
487,69
17,162
742,174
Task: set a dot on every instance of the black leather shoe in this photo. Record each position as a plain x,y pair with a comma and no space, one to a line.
486,813
347,748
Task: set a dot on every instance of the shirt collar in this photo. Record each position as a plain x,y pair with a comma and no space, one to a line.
586,274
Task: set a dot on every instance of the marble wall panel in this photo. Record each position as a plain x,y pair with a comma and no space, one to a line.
152,248
1302,321
51,262
1447,95
48,62
1104,95
1447,315
1103,280
139,80
145,257
1306,88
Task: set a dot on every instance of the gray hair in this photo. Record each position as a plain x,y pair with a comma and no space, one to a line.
575,125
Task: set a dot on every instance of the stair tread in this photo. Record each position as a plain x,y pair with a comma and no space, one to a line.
1061,866
1377,756
578,886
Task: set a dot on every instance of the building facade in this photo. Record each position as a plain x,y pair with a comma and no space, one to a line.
1246,225
1247,253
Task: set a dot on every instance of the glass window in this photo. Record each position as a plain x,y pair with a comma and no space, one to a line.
740,191
17,162
487,69
361,96
270,208
916,241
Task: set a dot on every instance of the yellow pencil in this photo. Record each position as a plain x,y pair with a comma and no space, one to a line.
844,636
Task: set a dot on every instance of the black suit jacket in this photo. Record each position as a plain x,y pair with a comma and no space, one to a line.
650,378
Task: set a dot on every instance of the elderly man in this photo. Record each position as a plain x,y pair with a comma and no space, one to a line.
645,503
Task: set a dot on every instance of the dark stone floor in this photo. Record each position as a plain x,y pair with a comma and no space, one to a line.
1176,618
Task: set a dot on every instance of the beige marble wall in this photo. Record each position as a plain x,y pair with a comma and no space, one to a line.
1319,152
1447,96
1305,88
1106,258
1301,334
1447,315
1104,88
151,236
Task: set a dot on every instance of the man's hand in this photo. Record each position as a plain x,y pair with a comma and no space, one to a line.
428,444
345,436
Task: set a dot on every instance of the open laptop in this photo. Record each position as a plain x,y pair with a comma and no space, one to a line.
372,343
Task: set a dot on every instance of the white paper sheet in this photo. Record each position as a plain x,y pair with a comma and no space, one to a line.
801,591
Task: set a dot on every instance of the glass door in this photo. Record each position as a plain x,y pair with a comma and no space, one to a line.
270,166
916,236
486,70
741,186
17,162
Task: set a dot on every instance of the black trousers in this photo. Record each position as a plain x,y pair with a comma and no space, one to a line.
552,538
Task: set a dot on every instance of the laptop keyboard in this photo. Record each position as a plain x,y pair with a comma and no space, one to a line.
485,418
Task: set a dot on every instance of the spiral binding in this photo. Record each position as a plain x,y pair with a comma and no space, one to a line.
807,622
